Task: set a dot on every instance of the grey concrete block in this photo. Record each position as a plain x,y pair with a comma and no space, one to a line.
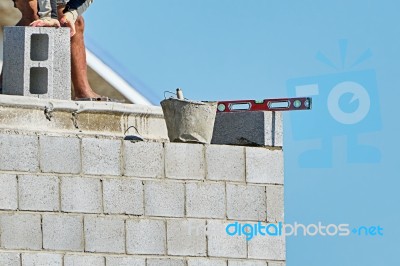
278,129
101,156
276,263
10,259
247,263
125,261
37,62
205,262
31,259
164,198
184,161
264,166
225,162
182,240
104,234
275,204
143,159
145,236
62,232
19,153
243,128
80,194
267,247
39,193
165,262
220,244
123,196
20,231
246,202
205,200
54,161
78,260
8,192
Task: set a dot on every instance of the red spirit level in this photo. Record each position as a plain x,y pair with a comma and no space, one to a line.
283,104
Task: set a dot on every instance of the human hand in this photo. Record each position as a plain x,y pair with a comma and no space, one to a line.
45,22
67,22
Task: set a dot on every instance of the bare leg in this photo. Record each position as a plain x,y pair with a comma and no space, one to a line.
78,60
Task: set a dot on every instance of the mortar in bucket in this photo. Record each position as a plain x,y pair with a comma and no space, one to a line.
189,121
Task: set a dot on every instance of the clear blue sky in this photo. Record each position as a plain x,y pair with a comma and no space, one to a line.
237,49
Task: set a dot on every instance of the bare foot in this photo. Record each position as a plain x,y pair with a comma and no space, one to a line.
65,22
45,22
88,94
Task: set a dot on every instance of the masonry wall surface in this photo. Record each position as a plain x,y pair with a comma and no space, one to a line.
96,199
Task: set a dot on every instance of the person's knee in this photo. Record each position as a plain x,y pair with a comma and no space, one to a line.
80,24
28,10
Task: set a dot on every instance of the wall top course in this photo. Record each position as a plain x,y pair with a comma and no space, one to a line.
97,118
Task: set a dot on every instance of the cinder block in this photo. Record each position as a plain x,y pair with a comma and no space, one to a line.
165,262
205,262
31,259
164,198
267,247
145,236
184,161
20,231
53,160
246,202
243,128
144,159
37,62
78,260
186,237
19,153
264,166
8,192
225,162
220,244
125,261
10,259
205,200
278,129
63,232
247,263
80,194
276,263
104,234
101,156
275,204
123,196
39,193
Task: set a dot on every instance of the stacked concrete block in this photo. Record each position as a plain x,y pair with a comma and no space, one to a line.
101,156
20,231
62,232
164,198
19,152
29,259
124,196
145,236
38,193
248,128
8,192
100,200
104,234
81,195
36,62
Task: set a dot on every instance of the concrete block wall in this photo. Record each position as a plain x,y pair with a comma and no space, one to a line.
84,199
